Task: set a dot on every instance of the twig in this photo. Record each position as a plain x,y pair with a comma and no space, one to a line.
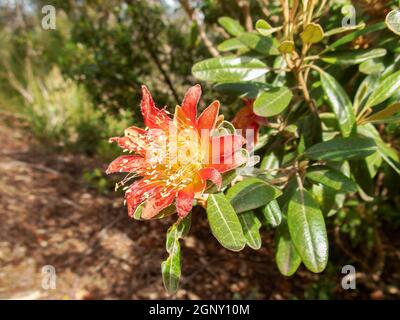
264,7
202,32
244,4
346,251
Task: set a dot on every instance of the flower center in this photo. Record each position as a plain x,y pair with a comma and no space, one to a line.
173,161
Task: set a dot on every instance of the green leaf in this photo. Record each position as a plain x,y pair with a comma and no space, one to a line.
331,178
374,162
385,151
286,46
339,102
307,230
309,130
286,256
230,44
264,28
229,69
272,213
270,162
372,66
353,35
386,88
351,57
344,29
392,119
362,175
251,193
263,45
339,149
393,21
384,115
279,64
171,268
251,229
272,102
313,33
232,26
242,89
390,156
364,90
324,196
224,222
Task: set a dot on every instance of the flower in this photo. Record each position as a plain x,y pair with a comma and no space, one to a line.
173,158
247,119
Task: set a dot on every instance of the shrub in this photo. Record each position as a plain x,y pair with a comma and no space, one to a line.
317,91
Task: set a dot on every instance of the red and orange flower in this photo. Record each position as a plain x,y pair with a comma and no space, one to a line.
173,158
246,119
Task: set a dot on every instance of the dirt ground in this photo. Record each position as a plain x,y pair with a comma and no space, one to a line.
49,216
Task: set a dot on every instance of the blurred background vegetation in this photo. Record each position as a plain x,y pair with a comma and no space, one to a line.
77,85
84,77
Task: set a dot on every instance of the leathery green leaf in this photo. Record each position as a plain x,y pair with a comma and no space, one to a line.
340,149
393,21
339,102
261,44
353,56
307,230
232,26
273,102
230,44
251,193
272,213
251,229
384,115
171,268
224,222
229,69
386,88
286,256
331,178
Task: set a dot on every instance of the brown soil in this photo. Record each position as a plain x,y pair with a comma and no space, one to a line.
49,216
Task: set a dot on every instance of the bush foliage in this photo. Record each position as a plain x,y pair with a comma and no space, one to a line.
318,80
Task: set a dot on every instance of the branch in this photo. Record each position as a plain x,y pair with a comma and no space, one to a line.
264,7
200,26
244,4
154,55
155,58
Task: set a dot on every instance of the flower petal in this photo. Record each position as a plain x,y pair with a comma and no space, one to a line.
199,184
126,164
244,118
208,117
135,132
180,118
137,193
155,204
135,140
131,144
223,147
184,200
213,175
190,101
229,164
154,118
